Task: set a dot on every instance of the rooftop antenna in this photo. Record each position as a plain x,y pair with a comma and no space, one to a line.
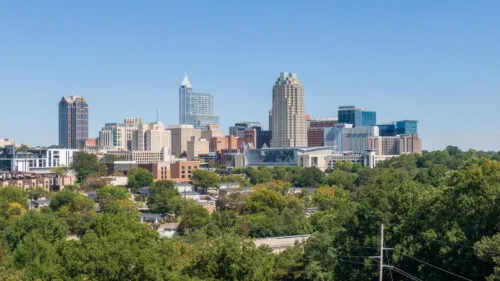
157,115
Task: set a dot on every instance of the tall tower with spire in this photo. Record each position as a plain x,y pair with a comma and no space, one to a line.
288,116
195,108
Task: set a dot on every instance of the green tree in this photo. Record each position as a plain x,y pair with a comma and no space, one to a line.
263,200
86,164
23,148
194,217
164,198
342,179
111,193
37,193
488,250
123,207
139,177
310,177
205,179
45,225
63,198
230,258
261,174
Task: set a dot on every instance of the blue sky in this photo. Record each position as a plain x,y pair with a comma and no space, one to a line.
434,61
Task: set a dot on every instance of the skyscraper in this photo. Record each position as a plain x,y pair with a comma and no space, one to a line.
359,117
289,127
195,108
73,122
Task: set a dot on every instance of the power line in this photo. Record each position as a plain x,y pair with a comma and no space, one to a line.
356,262
404,273
389,265
436,267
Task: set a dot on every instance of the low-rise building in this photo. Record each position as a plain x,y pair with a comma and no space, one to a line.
183,170
395,145
36,159
168,230
36,180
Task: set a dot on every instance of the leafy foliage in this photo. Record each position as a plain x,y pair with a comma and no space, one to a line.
441,208
139,177
205,179
164,198
86,164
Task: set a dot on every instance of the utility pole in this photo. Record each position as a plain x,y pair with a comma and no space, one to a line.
381,251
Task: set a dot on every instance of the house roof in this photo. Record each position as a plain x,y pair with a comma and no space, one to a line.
151,215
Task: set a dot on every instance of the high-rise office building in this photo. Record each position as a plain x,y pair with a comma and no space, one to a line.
238,130
113,135
73,122
289,128
195,108
359,117
401,127
152,137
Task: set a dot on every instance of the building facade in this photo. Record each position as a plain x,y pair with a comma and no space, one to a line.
320,157
180,135
316,129
401,127
195,109
152,137
37,160
113,136
183,170
359,117
73,122
396,145
7,141
289,128
197,146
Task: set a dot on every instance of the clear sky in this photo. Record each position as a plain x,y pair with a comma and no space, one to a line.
434,61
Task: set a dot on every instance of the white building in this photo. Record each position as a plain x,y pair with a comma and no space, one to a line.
346,138
45,160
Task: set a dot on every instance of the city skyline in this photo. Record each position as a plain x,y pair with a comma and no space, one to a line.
418,61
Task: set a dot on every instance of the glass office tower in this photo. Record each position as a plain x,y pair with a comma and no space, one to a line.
402,127
195,108
73,122
359,117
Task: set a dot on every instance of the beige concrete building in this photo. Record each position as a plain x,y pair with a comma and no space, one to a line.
144,156
6,141
152,137
395,145
181,134
131,126
113,136
197,146
288,118
211,131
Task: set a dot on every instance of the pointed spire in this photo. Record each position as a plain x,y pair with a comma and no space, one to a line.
185,82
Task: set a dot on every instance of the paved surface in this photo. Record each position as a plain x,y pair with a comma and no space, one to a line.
281,243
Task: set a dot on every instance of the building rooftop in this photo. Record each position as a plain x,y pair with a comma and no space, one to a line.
151,215
185,82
